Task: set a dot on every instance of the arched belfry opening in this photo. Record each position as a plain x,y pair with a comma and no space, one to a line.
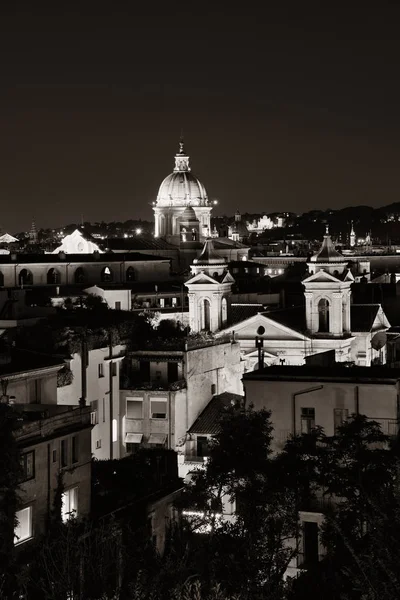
205,315
323,315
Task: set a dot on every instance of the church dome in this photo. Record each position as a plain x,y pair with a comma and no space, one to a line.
182,188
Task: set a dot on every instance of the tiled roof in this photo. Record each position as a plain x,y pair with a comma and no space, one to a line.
208,421
22,259
328,252
362,316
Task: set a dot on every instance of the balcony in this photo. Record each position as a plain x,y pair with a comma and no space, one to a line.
53,423
133,383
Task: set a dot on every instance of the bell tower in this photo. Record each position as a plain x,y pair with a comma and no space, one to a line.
210,289
327,292
352,236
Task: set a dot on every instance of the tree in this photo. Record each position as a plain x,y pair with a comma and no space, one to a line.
249,552
357,472
10,476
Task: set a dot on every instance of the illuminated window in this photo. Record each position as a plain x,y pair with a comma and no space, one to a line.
224,311
69,504
23,531
114,430
106,274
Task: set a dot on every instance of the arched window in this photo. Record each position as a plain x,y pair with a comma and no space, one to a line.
80,275
106,274
130,274
323,315
183,234
1,279
162,225
53,276
224,311
25,277
205,316
194,235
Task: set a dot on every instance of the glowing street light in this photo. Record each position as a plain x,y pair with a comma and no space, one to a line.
138,231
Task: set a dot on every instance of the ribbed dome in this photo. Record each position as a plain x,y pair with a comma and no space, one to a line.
182,188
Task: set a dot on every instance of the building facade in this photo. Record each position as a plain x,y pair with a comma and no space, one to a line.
302,398
55,451
164,391
96,383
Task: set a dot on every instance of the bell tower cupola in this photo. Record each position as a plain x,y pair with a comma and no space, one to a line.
210,290
327,291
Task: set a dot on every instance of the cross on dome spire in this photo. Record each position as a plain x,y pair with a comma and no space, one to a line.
181,158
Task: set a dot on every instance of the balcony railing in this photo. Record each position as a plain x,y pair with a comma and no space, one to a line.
131,383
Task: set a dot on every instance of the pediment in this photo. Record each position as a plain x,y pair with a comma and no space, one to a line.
381,321
326,277
273,330
228,278
321,277
202,278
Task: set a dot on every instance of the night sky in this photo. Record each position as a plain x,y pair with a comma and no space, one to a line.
281,110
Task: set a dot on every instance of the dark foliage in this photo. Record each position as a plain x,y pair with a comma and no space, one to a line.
10,476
